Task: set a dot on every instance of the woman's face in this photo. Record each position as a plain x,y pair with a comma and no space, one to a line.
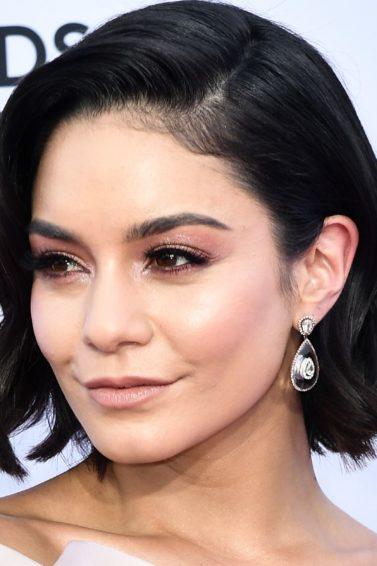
217,328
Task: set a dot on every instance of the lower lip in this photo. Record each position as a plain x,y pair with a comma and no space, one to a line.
121,398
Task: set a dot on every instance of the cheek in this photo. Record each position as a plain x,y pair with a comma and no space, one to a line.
235,331
233,336
53,323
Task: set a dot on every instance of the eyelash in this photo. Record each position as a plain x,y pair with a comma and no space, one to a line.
42,261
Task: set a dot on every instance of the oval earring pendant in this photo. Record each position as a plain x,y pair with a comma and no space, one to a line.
305,365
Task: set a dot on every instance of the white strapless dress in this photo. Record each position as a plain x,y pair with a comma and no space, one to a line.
76,553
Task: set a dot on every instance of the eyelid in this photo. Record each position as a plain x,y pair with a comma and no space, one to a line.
49,252
195,259
152,248
172,246
62,253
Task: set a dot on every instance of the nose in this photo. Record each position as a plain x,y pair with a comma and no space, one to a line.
114,312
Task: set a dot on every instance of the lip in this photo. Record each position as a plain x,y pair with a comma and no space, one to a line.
124,382
123,397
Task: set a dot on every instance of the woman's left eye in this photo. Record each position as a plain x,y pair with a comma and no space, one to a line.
167,255
54,265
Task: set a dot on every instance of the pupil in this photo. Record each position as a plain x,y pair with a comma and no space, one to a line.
62,263
168,256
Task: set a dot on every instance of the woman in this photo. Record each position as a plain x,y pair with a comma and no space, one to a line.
188,216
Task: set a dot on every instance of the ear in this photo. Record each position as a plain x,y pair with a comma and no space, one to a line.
322,272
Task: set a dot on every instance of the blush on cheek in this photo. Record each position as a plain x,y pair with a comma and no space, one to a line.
234,338
224,317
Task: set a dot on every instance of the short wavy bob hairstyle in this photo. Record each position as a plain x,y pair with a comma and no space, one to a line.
224,82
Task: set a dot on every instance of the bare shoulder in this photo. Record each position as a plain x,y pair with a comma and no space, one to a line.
44,541
354,541
360,535
367,555
30,523
370,545
29,519
46,500
39,523
21,535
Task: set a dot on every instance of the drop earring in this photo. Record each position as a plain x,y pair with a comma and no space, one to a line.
305,365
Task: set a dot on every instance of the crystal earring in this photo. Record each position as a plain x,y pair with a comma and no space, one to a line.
305,365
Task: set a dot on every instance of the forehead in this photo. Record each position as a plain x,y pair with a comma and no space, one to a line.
105,165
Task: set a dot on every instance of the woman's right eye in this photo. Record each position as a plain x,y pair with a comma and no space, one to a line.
48,264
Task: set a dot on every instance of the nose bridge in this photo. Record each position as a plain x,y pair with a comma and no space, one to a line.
114,308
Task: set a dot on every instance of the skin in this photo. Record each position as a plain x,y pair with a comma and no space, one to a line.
220,461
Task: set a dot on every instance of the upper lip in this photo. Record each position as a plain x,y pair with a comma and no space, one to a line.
126,381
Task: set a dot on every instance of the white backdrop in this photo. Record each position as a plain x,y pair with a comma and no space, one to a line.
343,30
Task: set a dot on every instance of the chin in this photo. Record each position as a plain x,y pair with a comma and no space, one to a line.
138,451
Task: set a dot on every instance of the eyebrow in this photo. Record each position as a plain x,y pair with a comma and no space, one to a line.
135,232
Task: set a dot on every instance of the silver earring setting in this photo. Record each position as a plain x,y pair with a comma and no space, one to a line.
305,365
